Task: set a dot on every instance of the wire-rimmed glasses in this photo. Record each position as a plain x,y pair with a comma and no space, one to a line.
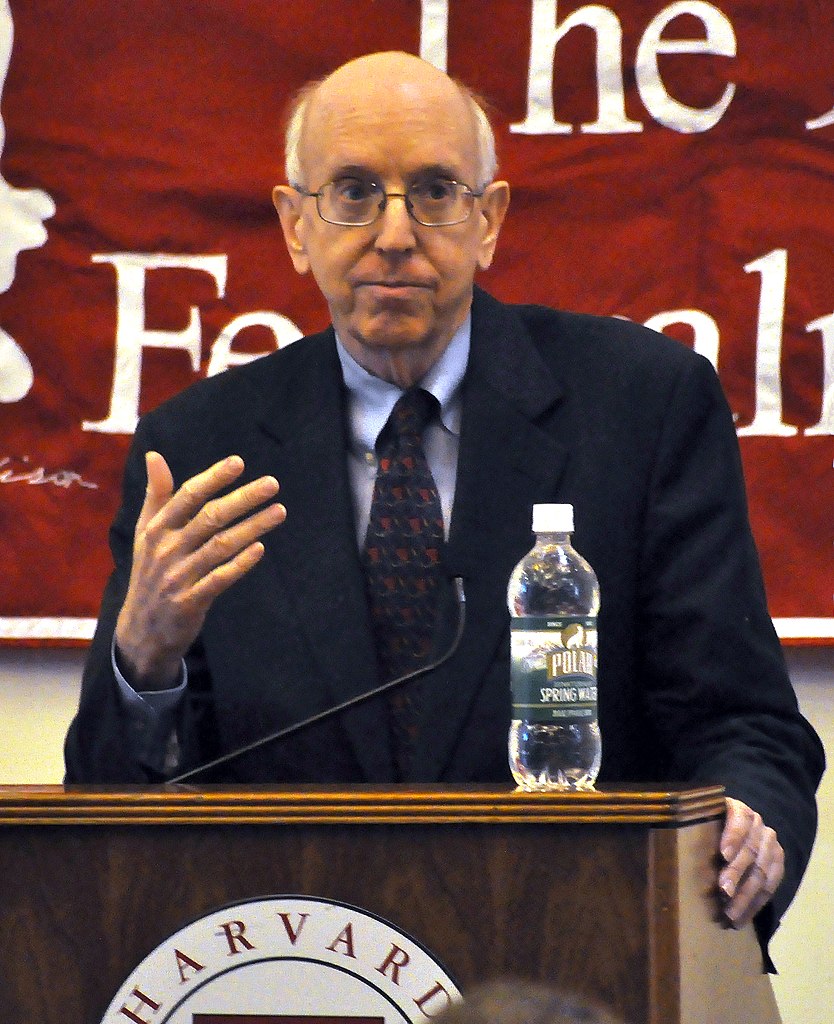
351,201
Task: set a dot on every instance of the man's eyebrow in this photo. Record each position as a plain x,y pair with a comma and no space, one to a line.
353,171
436,170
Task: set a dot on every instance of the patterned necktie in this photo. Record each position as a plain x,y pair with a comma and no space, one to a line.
402,557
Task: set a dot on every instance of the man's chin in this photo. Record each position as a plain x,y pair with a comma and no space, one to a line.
399,351
390,329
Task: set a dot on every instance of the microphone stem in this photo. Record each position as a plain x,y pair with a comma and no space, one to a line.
344,706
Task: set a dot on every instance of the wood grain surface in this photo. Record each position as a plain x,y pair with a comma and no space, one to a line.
580,890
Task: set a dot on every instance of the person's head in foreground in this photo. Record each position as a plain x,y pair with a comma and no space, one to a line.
508,1001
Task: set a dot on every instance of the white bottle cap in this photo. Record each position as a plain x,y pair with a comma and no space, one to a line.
553,519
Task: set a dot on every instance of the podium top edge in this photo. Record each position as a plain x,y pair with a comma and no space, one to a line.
362,804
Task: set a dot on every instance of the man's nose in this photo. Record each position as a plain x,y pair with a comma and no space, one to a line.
395,226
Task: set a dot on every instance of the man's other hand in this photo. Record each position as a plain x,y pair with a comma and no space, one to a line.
188,548
754,863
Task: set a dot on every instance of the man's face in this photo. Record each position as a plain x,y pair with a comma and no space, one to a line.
397,290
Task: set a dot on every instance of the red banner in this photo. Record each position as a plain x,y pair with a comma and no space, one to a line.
670,162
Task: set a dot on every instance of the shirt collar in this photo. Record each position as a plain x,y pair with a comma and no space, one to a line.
371,399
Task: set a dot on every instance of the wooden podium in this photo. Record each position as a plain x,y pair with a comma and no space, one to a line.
610,894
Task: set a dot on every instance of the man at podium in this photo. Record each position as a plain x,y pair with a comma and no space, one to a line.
231,614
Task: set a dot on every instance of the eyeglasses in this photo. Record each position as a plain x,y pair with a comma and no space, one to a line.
357,202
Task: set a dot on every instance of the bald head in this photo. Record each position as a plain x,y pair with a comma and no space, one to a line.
386,82
394,130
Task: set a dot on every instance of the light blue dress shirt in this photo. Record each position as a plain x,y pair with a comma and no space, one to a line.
369,404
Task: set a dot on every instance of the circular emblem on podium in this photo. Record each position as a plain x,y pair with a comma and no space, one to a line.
285,960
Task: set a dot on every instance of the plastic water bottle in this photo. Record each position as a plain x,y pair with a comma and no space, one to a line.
553,598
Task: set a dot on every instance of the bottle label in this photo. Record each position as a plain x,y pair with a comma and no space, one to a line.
554,669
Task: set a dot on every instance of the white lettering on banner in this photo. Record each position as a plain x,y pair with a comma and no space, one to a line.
16,374
222,356
825,324
719,39
544,35
767,420
821,122
19,470
22,213
434,32
132,336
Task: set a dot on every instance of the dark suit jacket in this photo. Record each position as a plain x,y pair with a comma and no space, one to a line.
630,427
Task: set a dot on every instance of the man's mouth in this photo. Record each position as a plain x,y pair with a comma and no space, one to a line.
395,285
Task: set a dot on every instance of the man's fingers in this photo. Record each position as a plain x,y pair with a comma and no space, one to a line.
192,580
740,864
182,536
192,516
739,820
740,840
189,546
159,489
195,492
755,863
160,480
223,576
218,513
759,883
224,546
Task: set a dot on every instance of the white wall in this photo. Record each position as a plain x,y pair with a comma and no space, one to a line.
803,948
38,696
39,691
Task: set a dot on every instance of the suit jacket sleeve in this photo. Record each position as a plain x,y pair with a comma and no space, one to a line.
105,743
716,685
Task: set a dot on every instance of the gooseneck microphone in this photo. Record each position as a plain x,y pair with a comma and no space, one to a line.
360,698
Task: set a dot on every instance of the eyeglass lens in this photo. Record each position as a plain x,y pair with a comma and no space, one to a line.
357,201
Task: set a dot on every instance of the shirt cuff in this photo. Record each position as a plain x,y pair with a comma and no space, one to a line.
148,702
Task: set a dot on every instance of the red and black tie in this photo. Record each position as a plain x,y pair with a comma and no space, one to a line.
402,556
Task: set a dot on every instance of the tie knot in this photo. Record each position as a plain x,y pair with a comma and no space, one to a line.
410,414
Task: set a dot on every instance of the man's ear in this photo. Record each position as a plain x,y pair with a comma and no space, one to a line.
288,204
494,203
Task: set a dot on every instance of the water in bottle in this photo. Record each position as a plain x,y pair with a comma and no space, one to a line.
553,598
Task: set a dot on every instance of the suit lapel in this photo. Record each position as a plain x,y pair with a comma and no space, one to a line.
315,551
508,460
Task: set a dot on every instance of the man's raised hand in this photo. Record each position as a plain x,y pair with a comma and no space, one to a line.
189,546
